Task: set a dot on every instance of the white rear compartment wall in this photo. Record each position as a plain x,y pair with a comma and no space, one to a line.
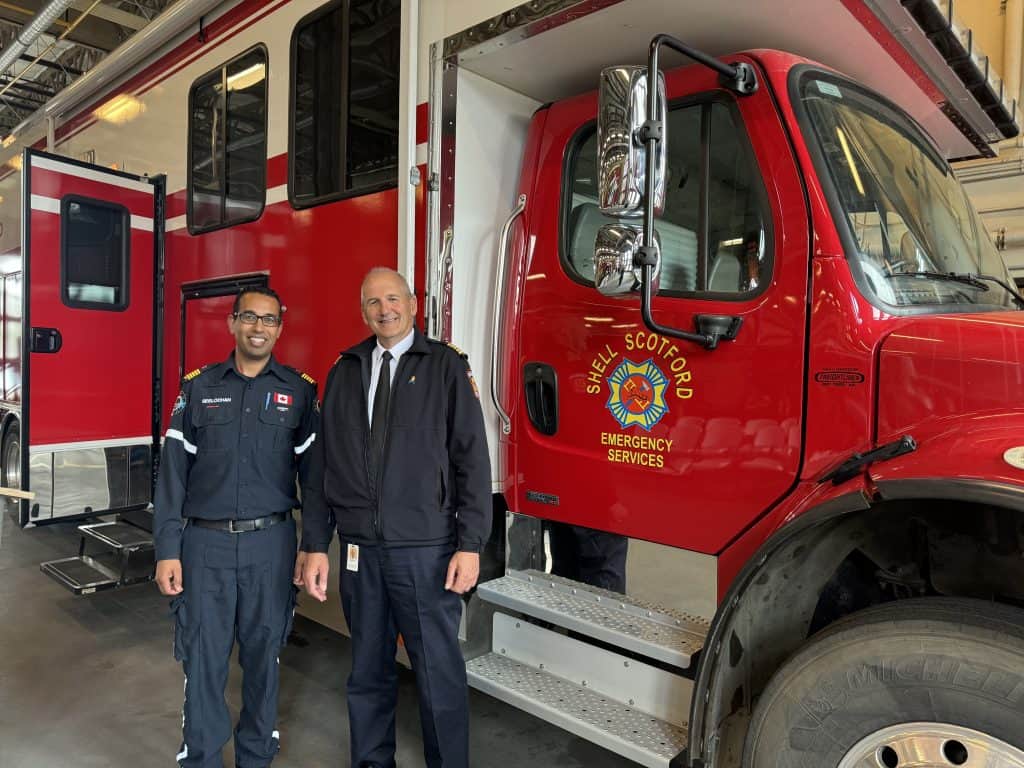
491,124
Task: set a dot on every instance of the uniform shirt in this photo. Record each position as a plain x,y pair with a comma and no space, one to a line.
378,353
233,447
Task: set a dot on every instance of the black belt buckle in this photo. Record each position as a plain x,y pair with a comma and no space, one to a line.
242,526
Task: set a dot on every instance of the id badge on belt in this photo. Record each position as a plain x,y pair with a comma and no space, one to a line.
352,559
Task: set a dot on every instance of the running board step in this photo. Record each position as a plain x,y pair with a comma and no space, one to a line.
128,559
673,637
83,575
626,706
118,536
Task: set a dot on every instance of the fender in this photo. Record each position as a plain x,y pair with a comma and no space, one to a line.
970,446
811,505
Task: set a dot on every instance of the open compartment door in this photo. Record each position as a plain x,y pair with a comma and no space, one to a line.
90,254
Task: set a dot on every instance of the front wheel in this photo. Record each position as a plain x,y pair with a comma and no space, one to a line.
925,683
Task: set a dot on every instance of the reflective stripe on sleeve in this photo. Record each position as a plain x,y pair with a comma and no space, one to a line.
176,435
302,448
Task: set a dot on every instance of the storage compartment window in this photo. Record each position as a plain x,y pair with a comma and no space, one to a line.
715,230
344,101
227,136
94,248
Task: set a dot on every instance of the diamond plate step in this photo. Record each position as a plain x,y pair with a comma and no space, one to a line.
650,630
587,713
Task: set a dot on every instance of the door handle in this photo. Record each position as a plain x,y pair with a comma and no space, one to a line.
499,293
46,340
540,384
717,328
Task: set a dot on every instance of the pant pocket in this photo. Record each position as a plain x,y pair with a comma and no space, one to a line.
291,603
181,627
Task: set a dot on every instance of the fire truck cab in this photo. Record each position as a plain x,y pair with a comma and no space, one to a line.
800,390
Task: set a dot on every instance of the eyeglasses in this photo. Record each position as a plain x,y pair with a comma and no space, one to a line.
249,318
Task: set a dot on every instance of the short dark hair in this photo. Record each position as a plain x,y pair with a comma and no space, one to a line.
262,290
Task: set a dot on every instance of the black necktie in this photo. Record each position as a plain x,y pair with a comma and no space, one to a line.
379,421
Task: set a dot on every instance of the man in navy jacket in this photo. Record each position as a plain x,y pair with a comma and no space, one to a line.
401,469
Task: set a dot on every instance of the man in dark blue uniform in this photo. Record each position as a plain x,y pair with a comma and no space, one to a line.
403,470
224,533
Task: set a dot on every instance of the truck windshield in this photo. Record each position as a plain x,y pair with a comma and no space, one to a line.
910,223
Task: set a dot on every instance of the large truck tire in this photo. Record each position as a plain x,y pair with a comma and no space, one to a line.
911,684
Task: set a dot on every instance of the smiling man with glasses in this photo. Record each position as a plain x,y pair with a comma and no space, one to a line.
225,538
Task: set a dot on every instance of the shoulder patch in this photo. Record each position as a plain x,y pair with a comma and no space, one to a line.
192,374
458,351
302,375
179,403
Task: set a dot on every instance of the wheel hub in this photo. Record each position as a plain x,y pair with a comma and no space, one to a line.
931,745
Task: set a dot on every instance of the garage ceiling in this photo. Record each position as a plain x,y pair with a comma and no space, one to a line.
75,43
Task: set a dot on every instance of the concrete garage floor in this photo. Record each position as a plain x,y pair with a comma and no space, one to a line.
90,682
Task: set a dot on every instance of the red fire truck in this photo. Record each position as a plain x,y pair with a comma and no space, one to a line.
750,360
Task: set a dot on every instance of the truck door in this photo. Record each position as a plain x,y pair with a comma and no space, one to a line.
89,250
630,432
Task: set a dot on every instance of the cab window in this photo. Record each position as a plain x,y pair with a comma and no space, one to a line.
714,230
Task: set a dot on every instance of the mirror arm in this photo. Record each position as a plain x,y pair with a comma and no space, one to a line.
740,78
706,341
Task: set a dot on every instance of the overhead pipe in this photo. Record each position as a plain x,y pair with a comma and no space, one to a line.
41,22
71,28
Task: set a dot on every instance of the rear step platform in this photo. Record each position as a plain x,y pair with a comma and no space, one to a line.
624,705
83,575
128,559
673,637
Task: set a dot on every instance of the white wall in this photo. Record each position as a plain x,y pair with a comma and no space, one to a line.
491,125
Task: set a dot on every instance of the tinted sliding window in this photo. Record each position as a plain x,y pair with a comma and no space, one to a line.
228,143
713,186
94,243
344,111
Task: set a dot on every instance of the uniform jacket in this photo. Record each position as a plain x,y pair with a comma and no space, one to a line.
233,447
435,470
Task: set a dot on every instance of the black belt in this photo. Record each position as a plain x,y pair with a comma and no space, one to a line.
240,526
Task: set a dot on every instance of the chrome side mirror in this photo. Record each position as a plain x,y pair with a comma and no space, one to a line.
615,260
621,149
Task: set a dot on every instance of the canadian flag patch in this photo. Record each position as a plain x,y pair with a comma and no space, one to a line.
280,398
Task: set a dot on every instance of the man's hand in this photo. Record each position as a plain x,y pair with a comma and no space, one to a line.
168,577
314,575
300,566
463,571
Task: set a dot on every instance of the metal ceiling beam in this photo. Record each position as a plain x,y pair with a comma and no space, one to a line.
28,106
28,88
51,65
115,15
